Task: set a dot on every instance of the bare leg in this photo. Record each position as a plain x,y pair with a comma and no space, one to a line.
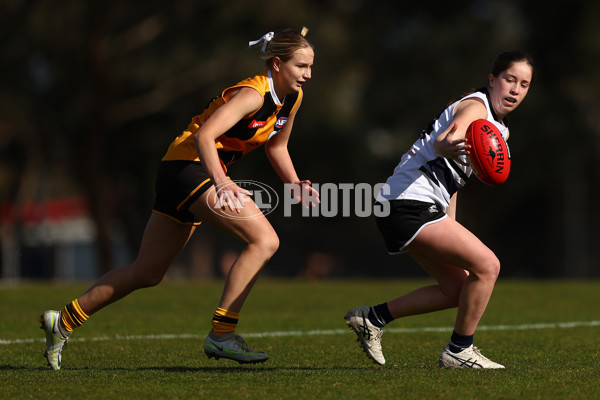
443,249
254,230
162,241
431,298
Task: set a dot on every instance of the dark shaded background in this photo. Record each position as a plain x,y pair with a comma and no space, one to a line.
93,92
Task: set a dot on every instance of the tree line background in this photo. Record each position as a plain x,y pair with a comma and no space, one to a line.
93,92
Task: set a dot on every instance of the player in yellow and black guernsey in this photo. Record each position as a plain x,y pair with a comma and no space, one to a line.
249,133
192,186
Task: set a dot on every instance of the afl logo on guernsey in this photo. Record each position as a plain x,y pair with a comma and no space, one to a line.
280,122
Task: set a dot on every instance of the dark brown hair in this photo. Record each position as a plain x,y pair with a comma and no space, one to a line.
506,59
503,62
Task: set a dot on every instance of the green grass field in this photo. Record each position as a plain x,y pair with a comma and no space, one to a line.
149,345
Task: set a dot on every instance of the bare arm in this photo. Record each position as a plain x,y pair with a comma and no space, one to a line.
241,103
278,154
279,157
451,143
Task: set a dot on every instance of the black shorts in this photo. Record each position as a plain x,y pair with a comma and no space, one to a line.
178,185
405,221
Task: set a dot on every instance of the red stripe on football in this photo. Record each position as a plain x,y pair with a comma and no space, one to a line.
489,155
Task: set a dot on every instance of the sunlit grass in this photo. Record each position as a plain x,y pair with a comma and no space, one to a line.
541,363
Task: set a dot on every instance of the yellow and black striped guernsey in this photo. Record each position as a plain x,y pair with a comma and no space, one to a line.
248,134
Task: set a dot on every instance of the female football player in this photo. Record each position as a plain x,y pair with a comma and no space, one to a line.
192,186
422,220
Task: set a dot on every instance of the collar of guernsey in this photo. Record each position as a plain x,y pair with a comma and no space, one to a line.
249,133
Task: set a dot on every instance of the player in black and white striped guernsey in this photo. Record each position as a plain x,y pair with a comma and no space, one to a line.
421,195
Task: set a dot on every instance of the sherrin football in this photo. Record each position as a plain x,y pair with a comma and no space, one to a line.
489,155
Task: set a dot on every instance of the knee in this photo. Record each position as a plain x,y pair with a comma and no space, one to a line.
145,277
489,269
150,281
494,268
271,245
267,245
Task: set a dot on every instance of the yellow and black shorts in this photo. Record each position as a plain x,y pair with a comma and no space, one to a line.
178,184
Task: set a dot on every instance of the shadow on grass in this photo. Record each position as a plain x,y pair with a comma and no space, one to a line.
22,368
182,369
244,369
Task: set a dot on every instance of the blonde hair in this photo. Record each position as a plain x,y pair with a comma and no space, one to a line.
283,44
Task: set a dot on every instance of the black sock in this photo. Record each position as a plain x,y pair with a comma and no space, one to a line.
380,316
459,342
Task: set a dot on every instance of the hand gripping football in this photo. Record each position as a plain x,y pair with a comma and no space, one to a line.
489,155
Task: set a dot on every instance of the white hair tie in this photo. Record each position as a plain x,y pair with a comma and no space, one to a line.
265,39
